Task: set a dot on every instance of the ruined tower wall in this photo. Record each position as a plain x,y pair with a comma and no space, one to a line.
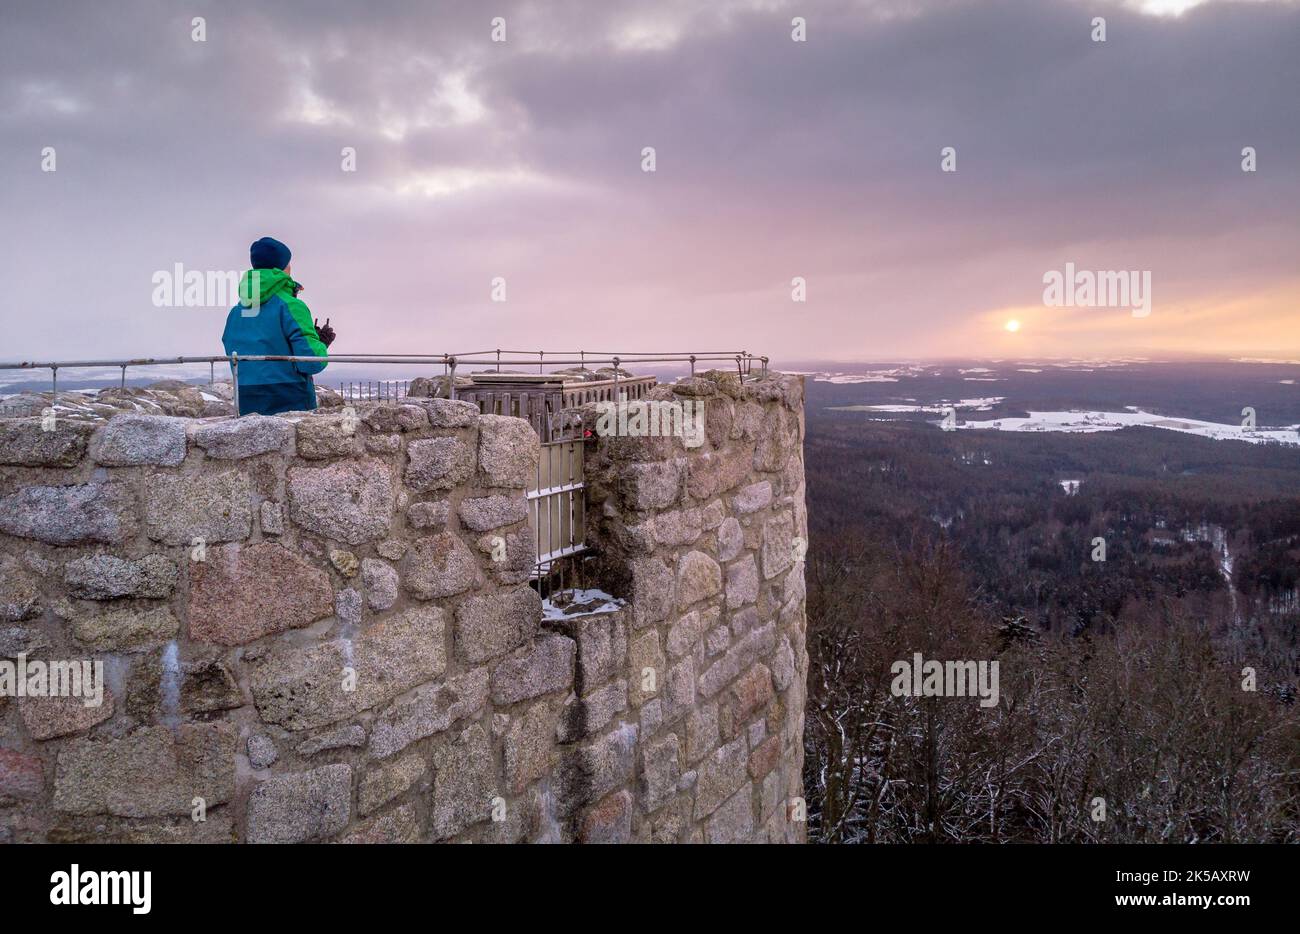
320,627
705,536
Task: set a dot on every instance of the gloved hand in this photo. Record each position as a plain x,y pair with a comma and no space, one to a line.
324,332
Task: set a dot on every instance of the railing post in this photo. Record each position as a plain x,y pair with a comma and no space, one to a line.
692,366
54,378
123,375
234,379
615,389
212,372
451,380
541,355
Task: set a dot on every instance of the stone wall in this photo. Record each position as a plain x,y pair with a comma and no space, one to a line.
320,627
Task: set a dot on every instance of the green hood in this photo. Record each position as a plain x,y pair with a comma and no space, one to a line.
258,285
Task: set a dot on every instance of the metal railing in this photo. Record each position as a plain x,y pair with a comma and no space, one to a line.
743,361
607,390
542,400
378,390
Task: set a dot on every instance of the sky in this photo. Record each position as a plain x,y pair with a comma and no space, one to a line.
522,161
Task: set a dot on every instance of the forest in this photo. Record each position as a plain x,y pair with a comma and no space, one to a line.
1138,589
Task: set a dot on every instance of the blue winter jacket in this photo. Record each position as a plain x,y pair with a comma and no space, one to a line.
276,322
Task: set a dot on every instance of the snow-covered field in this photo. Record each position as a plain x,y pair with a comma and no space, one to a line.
848,380
882,375
1114,421
966,405
885,373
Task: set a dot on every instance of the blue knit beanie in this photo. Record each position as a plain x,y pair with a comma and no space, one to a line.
269,253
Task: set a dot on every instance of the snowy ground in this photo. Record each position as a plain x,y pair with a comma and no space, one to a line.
570,603
1114,421
884,374
967,405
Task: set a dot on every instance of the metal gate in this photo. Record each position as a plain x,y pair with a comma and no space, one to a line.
557,504
557,494
375,390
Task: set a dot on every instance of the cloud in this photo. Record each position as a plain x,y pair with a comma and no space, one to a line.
775,159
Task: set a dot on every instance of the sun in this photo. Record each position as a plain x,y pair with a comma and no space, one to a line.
1013,325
